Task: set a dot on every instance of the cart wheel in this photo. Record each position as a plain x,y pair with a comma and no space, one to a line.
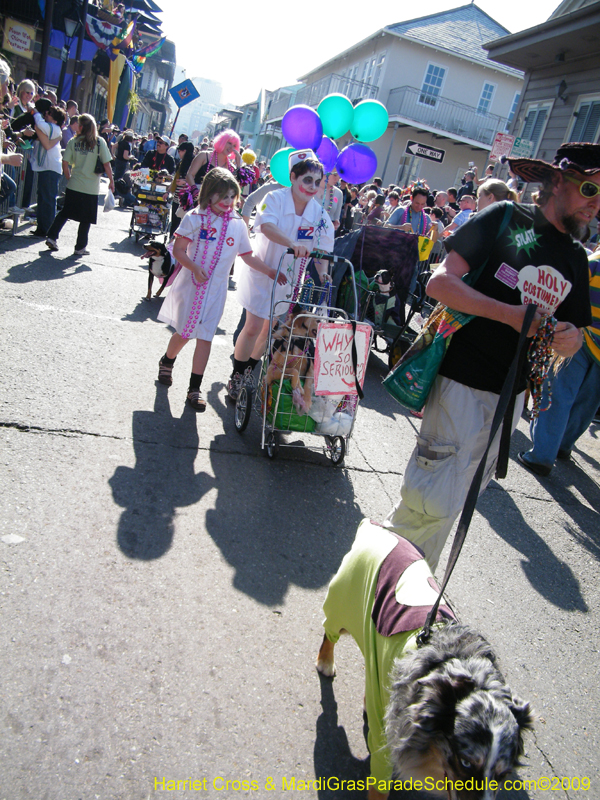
336,449
243,407
272,444
397,350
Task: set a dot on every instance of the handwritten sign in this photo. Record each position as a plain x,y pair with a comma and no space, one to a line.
18,38
334,370
544,286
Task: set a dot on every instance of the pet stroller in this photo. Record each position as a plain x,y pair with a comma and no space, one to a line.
386,283
313,367
151,217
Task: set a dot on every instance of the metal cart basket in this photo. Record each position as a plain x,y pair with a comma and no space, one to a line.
314,360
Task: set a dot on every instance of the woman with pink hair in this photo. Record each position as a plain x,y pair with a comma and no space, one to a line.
225,153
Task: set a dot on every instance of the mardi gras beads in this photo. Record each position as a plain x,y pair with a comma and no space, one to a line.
540,356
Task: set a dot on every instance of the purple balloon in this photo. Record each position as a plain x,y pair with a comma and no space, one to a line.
302,127
357,163
328,153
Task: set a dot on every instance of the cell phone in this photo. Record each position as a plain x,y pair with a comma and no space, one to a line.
471,163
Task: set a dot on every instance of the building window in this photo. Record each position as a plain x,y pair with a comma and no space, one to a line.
587,121
536,119
486,97
368,70
432,84
379,68
513,110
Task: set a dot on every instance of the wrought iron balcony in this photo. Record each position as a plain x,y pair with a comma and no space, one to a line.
313,93
444,116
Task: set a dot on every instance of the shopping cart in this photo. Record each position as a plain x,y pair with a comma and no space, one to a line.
151,217
312,372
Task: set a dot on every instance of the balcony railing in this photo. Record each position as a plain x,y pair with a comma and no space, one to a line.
445,116
312,94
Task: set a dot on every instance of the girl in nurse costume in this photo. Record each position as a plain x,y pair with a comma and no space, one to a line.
287,218
206,244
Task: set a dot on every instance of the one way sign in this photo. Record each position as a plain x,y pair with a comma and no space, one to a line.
424,151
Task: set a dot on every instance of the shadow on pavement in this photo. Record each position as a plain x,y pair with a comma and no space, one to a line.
162,480
278,522
46,268
145,309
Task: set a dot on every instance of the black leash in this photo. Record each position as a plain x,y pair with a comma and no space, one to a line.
504,402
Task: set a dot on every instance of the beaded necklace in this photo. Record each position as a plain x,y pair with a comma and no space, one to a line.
304,261
540,355
201,287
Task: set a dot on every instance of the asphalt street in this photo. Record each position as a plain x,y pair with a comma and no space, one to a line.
162,580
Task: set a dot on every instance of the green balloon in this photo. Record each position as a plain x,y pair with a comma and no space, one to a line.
279,165
337,113
370,121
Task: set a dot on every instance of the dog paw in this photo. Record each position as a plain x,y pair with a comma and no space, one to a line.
326,667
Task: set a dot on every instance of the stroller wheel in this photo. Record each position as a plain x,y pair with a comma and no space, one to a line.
336,449
243,407
272,444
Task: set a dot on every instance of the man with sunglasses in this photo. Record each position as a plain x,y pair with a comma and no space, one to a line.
526,254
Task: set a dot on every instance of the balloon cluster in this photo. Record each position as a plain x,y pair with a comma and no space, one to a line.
305,128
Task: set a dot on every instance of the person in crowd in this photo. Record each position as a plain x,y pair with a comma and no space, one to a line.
158,158
7,159
46,162
206,243
492,191
72,109
575,396
22,98
436,215
452,202
467,206
412,218
69,131
391,204
468,183
225,153
185,155
459,410
440,201
83,183
123,154
331,198
289,218
376,214
489,173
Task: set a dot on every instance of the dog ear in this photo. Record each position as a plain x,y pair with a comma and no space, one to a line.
522,712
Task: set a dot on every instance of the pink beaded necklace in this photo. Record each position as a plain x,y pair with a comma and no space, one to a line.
188,329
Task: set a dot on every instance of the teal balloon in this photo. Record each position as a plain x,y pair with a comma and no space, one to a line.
337,113
279,165
370,121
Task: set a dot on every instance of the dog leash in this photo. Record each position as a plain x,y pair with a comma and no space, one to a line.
467,513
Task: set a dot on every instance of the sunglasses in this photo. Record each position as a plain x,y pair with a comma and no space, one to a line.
587,189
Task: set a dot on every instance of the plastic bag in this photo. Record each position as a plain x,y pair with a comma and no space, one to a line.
109,201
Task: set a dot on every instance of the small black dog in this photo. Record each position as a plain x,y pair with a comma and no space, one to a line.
160,264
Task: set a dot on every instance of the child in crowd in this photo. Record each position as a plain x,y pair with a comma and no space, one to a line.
206,244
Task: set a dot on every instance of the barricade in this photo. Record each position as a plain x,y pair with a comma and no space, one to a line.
18,174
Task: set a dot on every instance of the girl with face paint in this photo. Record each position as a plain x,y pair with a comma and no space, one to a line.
206,243
290,218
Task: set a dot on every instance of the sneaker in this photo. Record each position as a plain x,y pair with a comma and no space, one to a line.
165,373
234,385
51,245
248,378
195,399
537,469
82,252
38,234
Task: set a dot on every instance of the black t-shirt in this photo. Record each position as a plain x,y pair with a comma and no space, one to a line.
121,148
158,161
531,261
